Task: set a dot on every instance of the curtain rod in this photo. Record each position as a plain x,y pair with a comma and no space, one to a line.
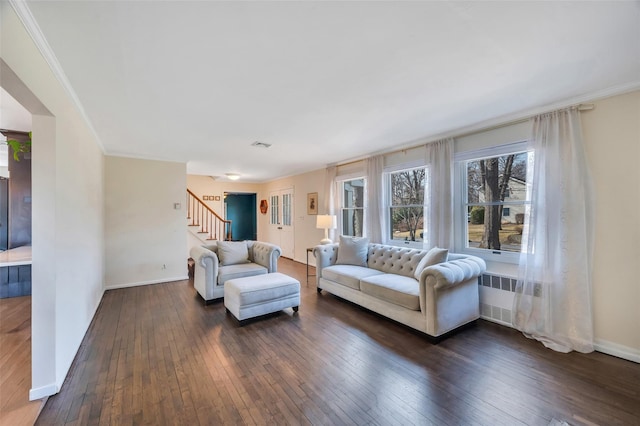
579,107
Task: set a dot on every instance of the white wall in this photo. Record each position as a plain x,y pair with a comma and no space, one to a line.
67,167
612,138
146,239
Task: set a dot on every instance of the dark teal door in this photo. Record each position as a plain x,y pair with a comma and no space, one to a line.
241,210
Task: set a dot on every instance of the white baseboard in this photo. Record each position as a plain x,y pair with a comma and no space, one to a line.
43,392
159,281
620,351
603,346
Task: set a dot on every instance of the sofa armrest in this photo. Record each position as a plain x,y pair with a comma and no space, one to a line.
326,255
449,294
205,276
266,254
453,272
200,254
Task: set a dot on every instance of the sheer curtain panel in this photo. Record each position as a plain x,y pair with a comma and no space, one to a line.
438,211
553,295
375,220
330,196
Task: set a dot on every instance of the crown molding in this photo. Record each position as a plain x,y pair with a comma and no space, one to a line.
503,121
34,31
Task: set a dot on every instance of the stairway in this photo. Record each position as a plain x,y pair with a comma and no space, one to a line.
205,224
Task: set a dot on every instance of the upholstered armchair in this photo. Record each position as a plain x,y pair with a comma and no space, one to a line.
225,260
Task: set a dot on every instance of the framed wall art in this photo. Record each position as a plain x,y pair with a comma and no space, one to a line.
312,203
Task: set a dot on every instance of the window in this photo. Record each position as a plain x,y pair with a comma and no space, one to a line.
494,202
352,212
275,210
406,205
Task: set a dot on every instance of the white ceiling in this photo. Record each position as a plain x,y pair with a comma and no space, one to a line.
324,82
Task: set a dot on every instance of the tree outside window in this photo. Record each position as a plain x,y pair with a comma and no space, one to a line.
497,198
407,204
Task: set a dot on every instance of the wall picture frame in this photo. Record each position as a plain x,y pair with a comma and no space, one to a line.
312,203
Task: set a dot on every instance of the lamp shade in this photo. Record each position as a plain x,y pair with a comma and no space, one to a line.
325,221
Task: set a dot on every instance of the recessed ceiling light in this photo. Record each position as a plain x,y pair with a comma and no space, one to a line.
232,176
261,144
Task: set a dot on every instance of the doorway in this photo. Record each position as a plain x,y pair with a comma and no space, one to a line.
240,209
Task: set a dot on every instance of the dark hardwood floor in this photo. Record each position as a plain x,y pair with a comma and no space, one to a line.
156,355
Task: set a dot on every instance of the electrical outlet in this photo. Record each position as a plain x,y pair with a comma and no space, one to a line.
164,266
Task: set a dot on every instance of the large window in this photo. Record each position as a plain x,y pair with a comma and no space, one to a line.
352,212
495,200
406,205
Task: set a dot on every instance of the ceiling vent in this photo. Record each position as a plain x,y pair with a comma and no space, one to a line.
261,144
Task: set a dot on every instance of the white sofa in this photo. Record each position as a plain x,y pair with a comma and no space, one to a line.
444,297
225,260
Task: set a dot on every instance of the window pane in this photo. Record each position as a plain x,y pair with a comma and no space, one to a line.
497,179
353,193
275,211
407,223
497,201
509,230
407,187
286,209
407,204
352,222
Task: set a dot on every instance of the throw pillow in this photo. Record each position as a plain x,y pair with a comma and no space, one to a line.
352,251
233,252
433,257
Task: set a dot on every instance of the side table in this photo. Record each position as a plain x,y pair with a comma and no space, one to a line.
309,250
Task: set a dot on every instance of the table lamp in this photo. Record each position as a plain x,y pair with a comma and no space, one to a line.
326,222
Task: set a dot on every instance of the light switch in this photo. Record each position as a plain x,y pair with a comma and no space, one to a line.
176,206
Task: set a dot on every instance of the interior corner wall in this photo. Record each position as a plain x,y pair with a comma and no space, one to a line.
67,215
146,236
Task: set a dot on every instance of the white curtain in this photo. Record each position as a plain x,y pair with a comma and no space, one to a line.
330,196
375,214
438,200
553,294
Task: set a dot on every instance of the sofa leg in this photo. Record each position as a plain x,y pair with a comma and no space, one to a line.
319,290
295,308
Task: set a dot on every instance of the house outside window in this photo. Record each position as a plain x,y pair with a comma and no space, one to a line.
495,198
406,206
353,204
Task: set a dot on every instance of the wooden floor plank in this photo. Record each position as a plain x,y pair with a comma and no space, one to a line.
15,363
157,355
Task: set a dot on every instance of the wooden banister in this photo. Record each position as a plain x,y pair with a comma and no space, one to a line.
209,221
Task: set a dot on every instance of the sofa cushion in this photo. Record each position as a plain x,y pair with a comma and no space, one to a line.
434,256
226,273
233,252
348,275
352,251
396,289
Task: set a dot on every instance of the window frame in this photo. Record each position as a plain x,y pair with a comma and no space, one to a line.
461,193
388,206
341,207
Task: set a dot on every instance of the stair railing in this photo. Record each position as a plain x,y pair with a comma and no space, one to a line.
210,223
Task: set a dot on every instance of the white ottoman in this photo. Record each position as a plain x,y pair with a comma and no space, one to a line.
250,297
